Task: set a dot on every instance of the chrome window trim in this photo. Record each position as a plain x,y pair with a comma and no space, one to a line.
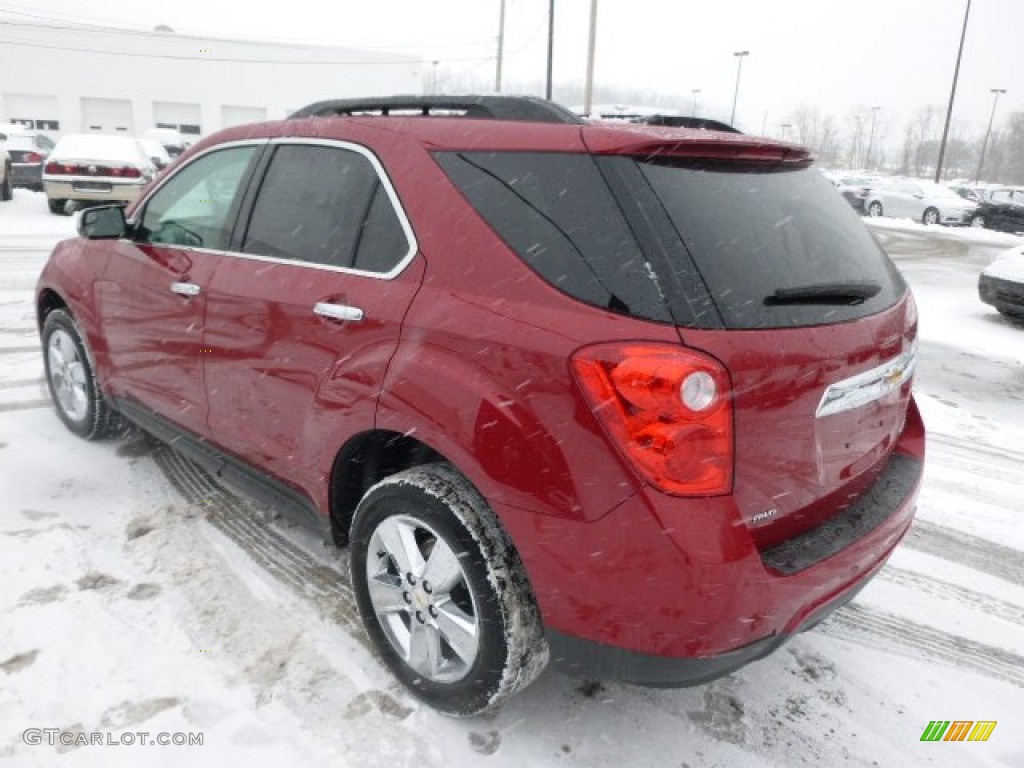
382,176
869,386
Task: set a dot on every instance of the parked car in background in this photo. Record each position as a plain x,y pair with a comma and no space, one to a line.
28,150
1001,283
923,201
971,193
855,189
170,139
6,174
89,168
1001,209
645,411
156,152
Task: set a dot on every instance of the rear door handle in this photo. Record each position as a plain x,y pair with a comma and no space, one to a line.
338,311
185,289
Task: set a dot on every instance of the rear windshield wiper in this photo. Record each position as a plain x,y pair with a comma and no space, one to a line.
852,292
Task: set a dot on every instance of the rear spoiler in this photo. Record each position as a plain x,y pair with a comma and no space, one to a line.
725,149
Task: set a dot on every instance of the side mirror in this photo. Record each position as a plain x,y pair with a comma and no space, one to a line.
106,222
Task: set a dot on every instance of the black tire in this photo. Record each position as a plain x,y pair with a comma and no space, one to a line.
930,216
59,207
88,415
7,188
875,209
435,502
978,221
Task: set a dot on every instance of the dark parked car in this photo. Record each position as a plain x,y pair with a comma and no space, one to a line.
1001,283
633,400
1002,210
855,189
28,150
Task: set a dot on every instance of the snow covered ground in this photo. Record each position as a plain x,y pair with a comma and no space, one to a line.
138,596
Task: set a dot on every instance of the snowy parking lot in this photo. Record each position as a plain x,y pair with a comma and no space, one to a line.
138,596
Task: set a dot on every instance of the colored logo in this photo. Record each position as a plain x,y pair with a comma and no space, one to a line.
958,730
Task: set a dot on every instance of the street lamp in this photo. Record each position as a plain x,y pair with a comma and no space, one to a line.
551,48
693,112
501,47
871,141
984,145
952,97
736,94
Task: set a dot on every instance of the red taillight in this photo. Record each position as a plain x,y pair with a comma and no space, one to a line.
669,410
32,157
55,169
126,173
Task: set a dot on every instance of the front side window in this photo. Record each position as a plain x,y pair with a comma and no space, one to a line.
325,205
194,208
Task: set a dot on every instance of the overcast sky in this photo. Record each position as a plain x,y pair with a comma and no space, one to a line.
834,54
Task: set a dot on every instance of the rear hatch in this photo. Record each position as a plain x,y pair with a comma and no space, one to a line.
819,330
759,262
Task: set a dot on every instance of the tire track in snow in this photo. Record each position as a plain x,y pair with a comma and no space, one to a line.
244,523
884,631
958,547
944,590
25,405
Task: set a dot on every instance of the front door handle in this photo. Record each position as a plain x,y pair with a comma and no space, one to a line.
338,311
185,289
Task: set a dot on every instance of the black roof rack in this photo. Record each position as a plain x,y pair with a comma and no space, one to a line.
522,108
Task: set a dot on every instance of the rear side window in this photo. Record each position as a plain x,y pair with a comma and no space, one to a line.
776,248
325,205
556,212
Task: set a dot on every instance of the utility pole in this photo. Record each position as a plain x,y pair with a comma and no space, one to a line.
551,46
433,77
588,89
501,47
871,141
952,97
736,94
696,92
984,145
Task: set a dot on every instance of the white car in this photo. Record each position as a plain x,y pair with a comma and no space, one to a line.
95,168
1002,282
922,201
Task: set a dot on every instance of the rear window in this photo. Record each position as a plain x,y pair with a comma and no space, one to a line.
765,240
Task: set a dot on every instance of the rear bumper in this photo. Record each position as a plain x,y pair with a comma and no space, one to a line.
65,190
1004,295
27,175
585,658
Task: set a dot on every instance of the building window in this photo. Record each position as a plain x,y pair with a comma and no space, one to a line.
186,129
39,125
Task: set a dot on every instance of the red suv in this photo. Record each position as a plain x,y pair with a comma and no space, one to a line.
633,399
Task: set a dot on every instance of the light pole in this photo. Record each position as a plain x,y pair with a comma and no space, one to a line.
952,97
693,112
433,77
588,87
501,47
871,141
551,47
736,94
984,145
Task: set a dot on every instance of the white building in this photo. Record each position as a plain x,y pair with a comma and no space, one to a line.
65,78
